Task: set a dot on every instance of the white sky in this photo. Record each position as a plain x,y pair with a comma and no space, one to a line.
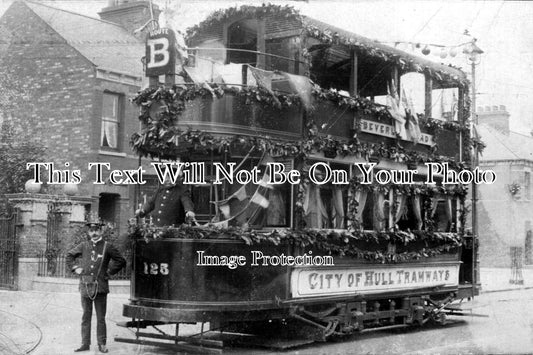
503,29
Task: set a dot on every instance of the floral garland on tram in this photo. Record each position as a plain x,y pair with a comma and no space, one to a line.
454,191
326,36
160,134
328,242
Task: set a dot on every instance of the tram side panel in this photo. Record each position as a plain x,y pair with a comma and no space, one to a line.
177,272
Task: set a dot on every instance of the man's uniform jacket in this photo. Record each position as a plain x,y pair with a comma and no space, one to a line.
168,206
90,257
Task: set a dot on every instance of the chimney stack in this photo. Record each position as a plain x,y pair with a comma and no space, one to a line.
130,14
495,116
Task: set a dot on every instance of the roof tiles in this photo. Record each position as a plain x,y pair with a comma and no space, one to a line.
105,44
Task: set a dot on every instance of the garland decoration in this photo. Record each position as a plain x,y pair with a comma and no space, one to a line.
361,245
426,191
160,135
405,63
434,126
514,188
353,103
325,35
476,143
260,12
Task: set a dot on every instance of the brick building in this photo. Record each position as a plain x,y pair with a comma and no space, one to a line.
505,207
68,80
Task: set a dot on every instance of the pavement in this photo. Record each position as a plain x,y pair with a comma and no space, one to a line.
48,323
502,279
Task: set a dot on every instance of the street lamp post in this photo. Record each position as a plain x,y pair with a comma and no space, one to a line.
474,52
474,56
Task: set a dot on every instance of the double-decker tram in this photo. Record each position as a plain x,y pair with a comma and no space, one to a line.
315,158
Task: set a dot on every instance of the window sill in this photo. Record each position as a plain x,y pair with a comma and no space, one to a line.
115,154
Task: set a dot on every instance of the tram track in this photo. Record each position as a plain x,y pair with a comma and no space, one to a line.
10,346
139,349
5,347
35,344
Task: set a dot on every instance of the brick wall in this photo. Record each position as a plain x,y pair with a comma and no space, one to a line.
58,80
58,102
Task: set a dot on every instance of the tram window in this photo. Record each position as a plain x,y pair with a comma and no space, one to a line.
255,205
368,212
445,104
325,205
242,38
277,213
332,67
410,217
439,217
444,215
386,213
201,196
413,86
259,207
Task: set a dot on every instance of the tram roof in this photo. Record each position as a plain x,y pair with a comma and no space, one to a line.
329,34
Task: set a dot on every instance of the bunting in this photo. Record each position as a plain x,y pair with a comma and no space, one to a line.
264,182
225,210
266,159
231,74
393,101
181,47
240,194
300,85
264,80
455,105
412,122
260,200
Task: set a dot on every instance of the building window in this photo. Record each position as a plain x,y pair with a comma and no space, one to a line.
528,250
111,114
527,185
109,208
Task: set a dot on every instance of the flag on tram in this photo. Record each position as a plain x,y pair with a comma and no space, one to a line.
410,116
260,200
264,80
393,102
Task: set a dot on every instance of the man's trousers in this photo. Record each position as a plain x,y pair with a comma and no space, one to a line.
100,305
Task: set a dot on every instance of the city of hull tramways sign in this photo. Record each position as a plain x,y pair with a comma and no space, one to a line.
160,52
370,279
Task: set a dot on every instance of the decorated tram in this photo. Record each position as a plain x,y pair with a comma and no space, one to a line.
319,166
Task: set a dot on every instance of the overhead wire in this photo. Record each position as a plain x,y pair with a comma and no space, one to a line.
428,21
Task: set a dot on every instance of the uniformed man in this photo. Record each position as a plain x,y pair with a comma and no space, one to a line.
171,205
95,260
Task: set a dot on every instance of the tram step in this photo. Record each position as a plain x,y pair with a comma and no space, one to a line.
191,340
139,324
